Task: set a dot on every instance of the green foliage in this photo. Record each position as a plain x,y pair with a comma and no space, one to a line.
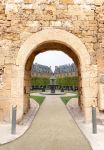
67,98
67,81
38,81
38,99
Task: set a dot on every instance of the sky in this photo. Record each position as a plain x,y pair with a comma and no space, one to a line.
53,58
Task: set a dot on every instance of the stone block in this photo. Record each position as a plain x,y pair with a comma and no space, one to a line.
67,1
61,7
19,1
32,23
28,1
63,14
56,23
44,23
10,7
48,13
5,93
7,83
88,102
1,60
24,35
88,114
27,7
101,97
2,10
4,110
90,92
74,10
99,2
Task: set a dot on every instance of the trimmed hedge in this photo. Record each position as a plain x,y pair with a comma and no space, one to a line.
67,81
38,81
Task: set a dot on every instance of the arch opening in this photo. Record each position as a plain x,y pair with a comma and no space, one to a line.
54,39
42,48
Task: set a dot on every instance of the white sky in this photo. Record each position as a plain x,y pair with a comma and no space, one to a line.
53,58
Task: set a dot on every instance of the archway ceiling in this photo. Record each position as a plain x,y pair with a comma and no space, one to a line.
51,46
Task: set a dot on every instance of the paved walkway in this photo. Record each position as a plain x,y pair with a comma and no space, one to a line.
52,129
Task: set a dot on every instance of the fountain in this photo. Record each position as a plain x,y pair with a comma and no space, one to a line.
52,86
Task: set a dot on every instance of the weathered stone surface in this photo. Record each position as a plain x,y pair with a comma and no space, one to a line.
28,1
67,1
19,19
47,12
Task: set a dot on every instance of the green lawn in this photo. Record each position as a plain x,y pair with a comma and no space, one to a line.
38,99
73,92
66,99
35,91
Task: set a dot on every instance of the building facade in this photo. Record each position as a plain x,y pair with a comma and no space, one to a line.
66,71
39,70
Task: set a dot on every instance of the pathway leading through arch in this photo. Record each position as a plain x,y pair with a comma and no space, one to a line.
53,39
52,129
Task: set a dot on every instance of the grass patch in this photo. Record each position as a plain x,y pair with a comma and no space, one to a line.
73,92
35,91
38,99
66,99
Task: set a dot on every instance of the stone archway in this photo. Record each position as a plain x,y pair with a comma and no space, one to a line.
68,43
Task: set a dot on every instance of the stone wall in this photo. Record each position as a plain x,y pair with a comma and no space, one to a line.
99,46
19,19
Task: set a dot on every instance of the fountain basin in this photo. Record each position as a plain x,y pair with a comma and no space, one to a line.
49,93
